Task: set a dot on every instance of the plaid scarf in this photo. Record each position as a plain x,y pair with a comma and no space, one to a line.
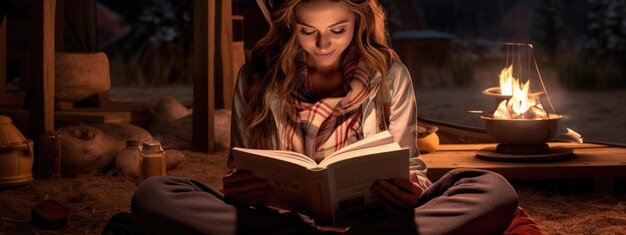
327,125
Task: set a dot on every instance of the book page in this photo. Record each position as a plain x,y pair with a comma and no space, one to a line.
289,183
379,139
288,156
359,153
350,179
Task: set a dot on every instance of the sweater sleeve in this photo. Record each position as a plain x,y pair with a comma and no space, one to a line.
237,135
403,120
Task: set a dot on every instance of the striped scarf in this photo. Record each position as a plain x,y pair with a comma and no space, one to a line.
330,124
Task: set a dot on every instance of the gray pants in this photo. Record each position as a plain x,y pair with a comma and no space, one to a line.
464,201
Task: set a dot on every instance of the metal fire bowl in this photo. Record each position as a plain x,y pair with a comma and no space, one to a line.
522,132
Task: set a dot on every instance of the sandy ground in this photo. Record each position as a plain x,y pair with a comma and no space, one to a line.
92,199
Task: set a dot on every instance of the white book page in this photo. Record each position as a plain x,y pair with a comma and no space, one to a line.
350,181
360,152
293,157
379,139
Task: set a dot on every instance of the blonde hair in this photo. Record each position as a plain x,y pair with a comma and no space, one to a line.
273,68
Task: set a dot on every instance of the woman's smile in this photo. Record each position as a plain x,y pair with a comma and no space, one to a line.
323,56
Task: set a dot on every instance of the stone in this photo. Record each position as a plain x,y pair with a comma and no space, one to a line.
173,124
88,148
166,110
173,158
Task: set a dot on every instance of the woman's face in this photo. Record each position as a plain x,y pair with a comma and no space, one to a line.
324,30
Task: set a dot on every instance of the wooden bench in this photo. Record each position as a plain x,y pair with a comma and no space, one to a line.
602,163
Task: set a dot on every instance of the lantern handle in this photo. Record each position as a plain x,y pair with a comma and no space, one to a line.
530,46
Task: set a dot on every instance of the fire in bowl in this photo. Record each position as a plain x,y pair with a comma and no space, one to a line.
522,132
499,97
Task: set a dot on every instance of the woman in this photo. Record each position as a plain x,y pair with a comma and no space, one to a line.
333,56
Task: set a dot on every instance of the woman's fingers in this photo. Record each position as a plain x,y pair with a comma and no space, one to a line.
243,186
407,186
397,194
254,196
391,207
236,176
250,184
393,194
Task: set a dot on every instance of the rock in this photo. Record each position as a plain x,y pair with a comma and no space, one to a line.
125,131
89,148
166,110
128,165
173,158
173,124
222,127
86,149
175,134
128,160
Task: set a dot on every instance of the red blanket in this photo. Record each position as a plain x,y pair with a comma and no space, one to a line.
523,224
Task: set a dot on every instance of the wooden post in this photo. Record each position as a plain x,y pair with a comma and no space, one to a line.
41,66
226,52
3,57
203,138
239,54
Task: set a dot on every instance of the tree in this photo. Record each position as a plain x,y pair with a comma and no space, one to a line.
550,28
606,28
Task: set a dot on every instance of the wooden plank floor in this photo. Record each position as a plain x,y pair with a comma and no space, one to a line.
600,162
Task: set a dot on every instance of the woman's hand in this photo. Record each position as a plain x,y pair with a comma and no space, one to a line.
397,194
241,186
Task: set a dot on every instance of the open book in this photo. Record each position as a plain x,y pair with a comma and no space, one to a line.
335,191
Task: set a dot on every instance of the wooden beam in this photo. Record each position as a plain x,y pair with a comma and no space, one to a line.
86,115
41,66
203,138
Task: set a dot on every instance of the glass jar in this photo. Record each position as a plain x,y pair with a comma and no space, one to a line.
49,158
152,160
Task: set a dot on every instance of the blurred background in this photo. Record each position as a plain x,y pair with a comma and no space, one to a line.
452,48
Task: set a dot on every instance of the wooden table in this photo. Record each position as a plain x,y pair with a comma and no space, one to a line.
602,163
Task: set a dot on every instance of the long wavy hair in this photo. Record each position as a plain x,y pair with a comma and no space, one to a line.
273,68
